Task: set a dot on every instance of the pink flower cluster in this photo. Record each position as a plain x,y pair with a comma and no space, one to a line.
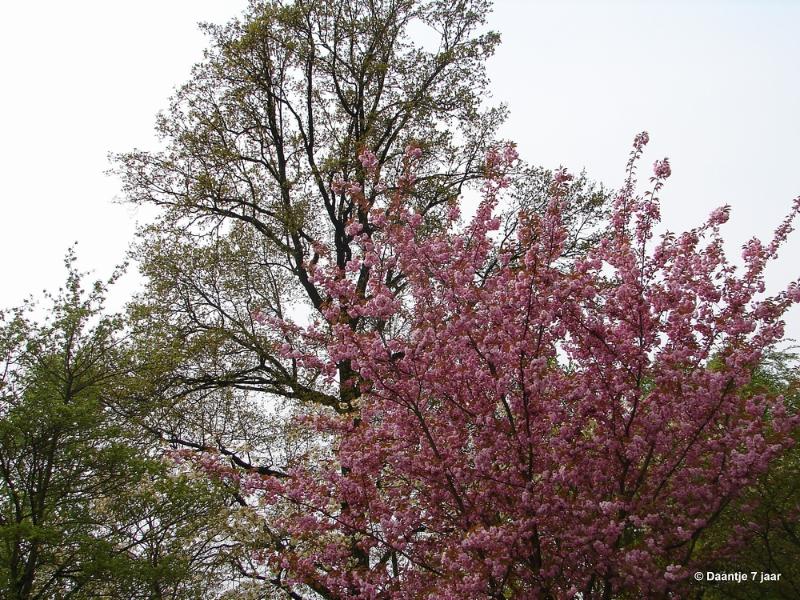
368,160
661,169
258,316
413,152
562,176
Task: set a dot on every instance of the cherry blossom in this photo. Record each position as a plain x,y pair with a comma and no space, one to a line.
524,425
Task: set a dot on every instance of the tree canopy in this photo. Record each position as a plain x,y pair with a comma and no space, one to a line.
376,355
531,426
88,508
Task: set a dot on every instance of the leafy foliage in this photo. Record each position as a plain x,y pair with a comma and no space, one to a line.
765,519
87,507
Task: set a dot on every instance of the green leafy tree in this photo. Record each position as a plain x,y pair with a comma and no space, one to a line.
87,506
258,145
767,518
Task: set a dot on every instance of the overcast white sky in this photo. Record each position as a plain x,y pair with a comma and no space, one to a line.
715,83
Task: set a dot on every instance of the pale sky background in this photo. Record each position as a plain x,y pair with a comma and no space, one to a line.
715,83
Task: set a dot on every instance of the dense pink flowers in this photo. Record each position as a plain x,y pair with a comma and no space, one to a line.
258,316
368,160
413,152
525,426
562,176
661,169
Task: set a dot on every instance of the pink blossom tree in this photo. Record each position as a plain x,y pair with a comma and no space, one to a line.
527,426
